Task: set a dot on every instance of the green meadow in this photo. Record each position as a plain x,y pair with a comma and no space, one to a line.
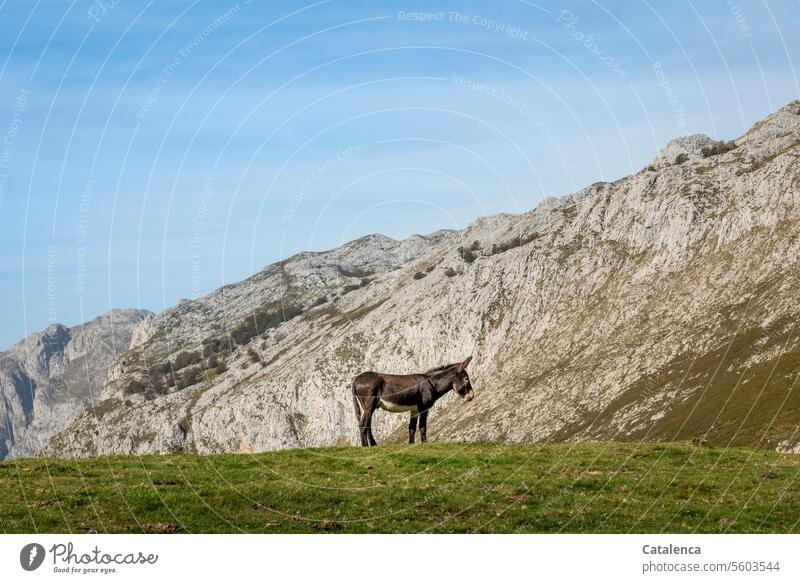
434,487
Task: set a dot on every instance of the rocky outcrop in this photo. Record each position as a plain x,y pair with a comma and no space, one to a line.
787,446
684,148
661,306
50,377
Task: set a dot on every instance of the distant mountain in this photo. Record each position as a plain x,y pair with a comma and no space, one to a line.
51,376
661,306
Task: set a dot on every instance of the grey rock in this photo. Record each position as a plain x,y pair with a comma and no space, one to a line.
681,149
787,446
48,378
649,308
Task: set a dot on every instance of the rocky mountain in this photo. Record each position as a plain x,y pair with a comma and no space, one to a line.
48,378
661,306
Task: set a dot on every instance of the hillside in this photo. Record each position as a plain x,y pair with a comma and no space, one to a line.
50,377
475,487
658,307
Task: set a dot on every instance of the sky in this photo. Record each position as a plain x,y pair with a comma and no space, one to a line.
154,151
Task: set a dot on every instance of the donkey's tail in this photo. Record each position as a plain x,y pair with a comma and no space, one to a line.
356,403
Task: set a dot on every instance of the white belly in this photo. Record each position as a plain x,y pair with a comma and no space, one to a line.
394,408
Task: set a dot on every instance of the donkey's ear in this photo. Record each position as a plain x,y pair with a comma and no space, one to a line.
464,364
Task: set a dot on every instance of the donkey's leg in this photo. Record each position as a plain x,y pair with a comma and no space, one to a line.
412,427
362,429
369,432
365,425
359,412
423,426
370,405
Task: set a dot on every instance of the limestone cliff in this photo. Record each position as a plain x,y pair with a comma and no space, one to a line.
50,377
661,306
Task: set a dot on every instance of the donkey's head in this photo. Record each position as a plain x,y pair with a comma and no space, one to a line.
461,383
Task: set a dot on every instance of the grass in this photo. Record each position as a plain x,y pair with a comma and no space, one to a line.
720,399
475,487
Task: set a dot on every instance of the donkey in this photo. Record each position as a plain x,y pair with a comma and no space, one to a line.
415,393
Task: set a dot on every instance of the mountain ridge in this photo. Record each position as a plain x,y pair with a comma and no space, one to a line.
49,377
651,307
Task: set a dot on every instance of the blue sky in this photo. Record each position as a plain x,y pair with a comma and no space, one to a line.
155,151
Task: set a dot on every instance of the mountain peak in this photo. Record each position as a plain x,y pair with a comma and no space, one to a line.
681,149
55,337
48,378
373,241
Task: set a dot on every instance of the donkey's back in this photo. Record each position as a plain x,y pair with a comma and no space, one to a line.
373,384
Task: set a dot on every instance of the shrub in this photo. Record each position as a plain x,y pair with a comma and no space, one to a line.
156,384
419,275
213,361
681,158
134,388
319,301
354,272
467,254
517,241
222,367
261,321
354,286
449,272
254,357
190,376
244,332
719,147
218,345
185,359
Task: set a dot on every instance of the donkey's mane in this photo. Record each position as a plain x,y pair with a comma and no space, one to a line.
442,368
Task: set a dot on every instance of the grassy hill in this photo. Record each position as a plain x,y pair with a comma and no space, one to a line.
475,487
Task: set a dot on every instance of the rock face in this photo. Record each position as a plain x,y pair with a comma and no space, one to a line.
662,306
47,379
